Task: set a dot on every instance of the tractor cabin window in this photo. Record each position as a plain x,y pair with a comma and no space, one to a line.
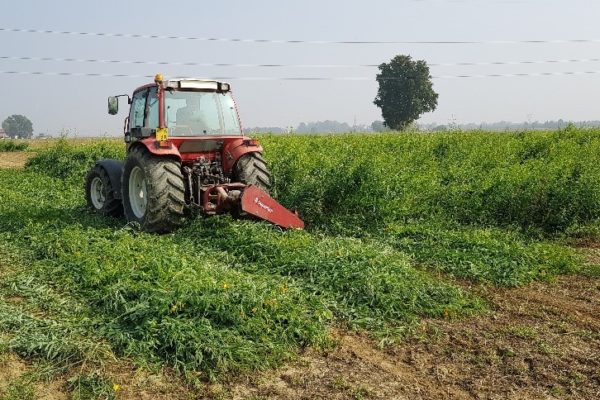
231,123
152,109
195,113
138,108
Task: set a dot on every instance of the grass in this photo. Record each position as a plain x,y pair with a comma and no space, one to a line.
145,295
72,160
12,145
369,285
479,254
393,221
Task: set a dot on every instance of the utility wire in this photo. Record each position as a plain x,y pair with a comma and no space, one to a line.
197,64
299,78
286,41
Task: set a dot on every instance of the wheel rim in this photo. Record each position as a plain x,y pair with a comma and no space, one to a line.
97,193
137,192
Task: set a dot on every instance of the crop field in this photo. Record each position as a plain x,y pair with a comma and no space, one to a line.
455,265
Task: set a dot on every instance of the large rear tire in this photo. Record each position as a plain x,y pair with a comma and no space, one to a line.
251,169
100,194
153,191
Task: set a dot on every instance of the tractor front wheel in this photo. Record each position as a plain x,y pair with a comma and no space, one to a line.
153,191
100,194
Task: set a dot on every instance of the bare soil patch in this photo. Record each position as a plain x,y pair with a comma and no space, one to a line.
14,159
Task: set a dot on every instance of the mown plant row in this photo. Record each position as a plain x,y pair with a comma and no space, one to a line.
215,309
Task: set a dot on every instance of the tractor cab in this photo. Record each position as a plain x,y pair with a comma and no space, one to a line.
185,107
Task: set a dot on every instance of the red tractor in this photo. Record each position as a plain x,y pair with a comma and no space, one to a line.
185,151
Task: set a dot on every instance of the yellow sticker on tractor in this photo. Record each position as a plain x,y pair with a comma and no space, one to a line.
162,134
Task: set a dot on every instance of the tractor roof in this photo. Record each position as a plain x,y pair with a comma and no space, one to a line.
192,84
195,83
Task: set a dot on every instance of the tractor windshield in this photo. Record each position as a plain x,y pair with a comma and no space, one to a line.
194,113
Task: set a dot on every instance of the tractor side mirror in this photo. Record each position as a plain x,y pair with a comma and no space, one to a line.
113,105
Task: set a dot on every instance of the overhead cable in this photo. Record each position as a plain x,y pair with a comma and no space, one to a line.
288,41
300,78
198,64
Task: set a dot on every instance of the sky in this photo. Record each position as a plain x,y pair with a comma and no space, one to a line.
77,104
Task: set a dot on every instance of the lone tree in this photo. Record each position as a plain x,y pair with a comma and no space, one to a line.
18,126
405,91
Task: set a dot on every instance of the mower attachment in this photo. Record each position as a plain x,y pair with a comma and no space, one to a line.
258,203
236,197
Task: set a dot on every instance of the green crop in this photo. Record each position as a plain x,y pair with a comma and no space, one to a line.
480,254
11,145
539,181
154,300
392,221
66,160
368,285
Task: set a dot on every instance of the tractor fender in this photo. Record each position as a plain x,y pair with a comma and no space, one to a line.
114,169
237,148
154,147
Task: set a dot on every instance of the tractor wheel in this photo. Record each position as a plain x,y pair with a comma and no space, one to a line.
99,193
251,169
153,191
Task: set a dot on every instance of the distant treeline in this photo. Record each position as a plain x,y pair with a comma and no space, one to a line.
329,126
510,126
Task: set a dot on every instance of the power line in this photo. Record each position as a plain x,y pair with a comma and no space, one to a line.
525,62
287,41
300,78
198,64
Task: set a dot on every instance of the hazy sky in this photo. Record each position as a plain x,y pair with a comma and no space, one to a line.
56,103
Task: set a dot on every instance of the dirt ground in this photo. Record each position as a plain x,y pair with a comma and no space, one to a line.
14,159
540,342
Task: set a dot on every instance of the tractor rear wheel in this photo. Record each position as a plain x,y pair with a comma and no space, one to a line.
153,191
100,194
251,169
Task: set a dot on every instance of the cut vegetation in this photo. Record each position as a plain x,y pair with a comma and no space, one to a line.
401,229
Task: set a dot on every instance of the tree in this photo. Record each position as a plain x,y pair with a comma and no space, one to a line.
379,126
405,91
18,126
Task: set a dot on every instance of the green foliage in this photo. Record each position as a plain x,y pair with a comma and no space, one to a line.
542,182
66,160
482,254
149,297
18,126
405,91
11,145
368,285
33,326
391,220
91,386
